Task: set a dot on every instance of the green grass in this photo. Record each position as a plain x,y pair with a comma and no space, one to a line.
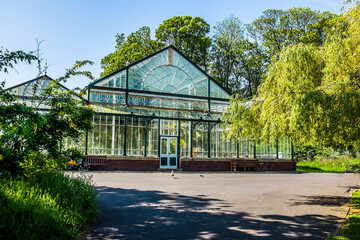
50,206
351,229
344,164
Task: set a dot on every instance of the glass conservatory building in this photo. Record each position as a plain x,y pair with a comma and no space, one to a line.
165,106
163,111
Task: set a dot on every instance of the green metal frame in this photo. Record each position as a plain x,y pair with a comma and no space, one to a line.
151,55
125,126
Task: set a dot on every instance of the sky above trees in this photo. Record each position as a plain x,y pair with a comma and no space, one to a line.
75,30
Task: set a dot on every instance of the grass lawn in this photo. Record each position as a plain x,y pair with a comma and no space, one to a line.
329,165
351,228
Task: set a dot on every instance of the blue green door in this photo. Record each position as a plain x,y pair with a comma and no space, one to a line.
168,152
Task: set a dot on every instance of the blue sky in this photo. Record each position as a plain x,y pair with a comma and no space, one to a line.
86,29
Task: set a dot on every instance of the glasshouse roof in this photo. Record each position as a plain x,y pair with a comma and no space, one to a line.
166,71
33,87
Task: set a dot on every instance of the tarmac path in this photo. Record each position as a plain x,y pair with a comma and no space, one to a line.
278,205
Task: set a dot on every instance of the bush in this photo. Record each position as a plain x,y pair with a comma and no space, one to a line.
47,206
354,167
327,164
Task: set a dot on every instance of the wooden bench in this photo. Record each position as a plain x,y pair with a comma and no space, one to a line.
246,165
96,160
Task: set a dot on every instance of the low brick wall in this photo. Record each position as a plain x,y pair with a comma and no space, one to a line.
205,164
223,164
279,166
133,165
140,163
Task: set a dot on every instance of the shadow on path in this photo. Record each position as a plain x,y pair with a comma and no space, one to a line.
135,214
324,200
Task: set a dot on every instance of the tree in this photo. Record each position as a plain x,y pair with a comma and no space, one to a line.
278,29
237,63
254,67
186,33
228,43
42,68
8,59
29,139
311,93
136,46
189,35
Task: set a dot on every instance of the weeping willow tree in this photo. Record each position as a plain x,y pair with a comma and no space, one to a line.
310,93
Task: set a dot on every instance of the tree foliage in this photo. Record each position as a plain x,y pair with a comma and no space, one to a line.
8,59
228,44
128,50
237,55
186,33
30,139
311,93
189,34
278,29
237,63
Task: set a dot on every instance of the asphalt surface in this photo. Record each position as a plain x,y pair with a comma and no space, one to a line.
220,206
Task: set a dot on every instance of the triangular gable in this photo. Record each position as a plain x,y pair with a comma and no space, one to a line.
166,71
33,88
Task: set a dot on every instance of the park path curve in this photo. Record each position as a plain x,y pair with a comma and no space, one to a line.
288,205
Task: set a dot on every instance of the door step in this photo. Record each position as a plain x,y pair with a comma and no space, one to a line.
169,170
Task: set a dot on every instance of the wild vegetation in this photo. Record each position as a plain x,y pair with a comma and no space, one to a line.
329,164
51,205
37,200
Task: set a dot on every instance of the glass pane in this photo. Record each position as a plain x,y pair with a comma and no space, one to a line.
218,107
218,92
173,146
117,80
168,72
185,141
163,161
169,127
152,137
173,161
26,91
200,138
164,146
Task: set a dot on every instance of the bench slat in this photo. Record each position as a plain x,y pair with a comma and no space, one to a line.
236,163
96,160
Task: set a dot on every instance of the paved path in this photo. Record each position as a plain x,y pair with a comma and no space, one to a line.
220,206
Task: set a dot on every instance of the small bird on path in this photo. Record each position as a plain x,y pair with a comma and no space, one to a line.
172,173
348,190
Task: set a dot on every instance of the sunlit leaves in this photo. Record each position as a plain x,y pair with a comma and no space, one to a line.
311,92
8,59
128,50
30,139
188,34
278,29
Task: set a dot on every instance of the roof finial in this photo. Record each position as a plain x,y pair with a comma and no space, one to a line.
46,67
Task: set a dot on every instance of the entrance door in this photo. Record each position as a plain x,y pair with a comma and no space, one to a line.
168,153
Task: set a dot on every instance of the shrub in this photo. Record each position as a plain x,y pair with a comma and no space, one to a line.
47,206
327,164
